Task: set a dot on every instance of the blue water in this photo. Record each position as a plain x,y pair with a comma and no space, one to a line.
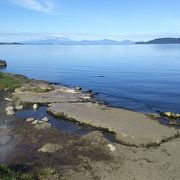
139,77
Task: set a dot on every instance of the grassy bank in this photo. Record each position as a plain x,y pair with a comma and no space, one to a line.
7,173
9,81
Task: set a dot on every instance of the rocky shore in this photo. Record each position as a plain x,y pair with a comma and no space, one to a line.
144,149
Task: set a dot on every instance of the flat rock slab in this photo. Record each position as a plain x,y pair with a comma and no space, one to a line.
57,95
131,128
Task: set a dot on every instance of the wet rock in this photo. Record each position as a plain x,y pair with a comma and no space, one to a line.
78,88
171,115
111,147
168,114
178,115
30,119
19,107
50,148
10,110
89,92
35,106
45,119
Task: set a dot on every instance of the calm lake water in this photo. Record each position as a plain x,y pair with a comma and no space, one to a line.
139,77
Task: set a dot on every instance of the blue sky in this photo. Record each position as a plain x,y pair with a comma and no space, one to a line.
89,19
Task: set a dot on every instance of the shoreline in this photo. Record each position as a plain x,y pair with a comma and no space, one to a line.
90,156
75,105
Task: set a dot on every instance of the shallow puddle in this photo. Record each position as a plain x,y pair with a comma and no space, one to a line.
60,124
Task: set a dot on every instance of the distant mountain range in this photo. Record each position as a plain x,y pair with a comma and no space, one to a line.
66,41
162,41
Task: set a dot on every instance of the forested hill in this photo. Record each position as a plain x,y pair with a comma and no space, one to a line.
162,41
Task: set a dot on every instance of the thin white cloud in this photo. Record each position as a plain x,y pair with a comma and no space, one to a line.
37,5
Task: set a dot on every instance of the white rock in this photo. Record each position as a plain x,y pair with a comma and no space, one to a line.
30,119
19,107
168,114
10,108
85,97
41,122
45,119
70,90
35,122
35,106
10,113
8,99
78,89
50,148
111,147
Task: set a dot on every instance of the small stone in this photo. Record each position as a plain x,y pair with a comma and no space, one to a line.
10,113
35,106
45,119
50,148
19,107
8,99
177,115
30,119
168,114
49,105
171,115
111,147
10,108
35,122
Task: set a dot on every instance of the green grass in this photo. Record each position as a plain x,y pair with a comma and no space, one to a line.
8,81
40,90
41,173
7,173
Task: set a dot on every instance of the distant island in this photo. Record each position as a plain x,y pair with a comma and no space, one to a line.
66,41
10,43
162,41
